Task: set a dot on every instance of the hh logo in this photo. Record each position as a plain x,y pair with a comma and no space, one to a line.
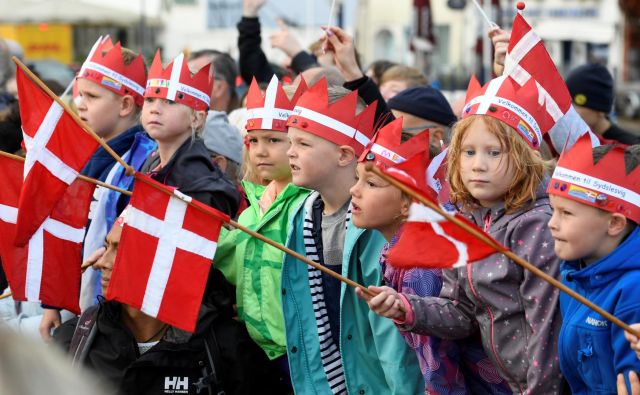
176,385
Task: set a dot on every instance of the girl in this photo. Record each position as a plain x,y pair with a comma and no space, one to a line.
251,265
497,179
377,205
174,111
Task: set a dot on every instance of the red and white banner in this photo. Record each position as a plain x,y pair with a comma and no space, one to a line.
165,254
528,58
47,268
428,240
57,149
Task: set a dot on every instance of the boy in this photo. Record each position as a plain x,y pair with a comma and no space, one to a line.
334,344
596,208
111,87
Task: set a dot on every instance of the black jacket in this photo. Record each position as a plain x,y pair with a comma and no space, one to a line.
179,360
620,135
252,60
193,173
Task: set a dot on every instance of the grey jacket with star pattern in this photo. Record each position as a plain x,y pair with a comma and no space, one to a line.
516,313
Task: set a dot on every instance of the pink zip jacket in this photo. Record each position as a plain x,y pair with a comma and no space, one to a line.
516,313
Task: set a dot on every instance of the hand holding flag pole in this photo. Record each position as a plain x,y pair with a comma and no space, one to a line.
83,125
477,233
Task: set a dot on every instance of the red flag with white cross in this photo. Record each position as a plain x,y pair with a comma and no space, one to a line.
165,253
57,149
47,268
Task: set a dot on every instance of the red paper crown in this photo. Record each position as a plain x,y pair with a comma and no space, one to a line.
176,83
105,66
271,110
335,122
505,100
387,148
604,185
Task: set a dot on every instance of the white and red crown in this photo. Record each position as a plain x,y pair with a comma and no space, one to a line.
335,122
105,66
518,106
605,185
270,111
387,149
176,83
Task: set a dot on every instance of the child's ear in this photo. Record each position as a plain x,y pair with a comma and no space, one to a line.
197,119
405,205
617,224
127,106
347,155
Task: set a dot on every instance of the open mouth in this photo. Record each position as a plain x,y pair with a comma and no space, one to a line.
294,167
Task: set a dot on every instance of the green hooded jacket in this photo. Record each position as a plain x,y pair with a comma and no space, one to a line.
255,268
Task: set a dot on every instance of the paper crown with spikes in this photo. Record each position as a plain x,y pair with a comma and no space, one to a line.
387,149
605,185
270,111
176,83
335,122
105,66
515,105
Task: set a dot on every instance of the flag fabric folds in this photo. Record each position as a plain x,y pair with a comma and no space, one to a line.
429,240
47,268
165,253
57,149
527,58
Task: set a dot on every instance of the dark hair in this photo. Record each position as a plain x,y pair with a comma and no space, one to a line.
10,128
631,155
225,69
379,67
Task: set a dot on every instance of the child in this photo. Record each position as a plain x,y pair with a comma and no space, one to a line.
174,111
255,268
378,205
110,97
498,180
596,208
334,344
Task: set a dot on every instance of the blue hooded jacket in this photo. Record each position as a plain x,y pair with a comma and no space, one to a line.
592,350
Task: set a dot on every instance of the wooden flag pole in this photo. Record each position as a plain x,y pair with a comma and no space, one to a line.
129,170
280,247
477,233
80,176
7,295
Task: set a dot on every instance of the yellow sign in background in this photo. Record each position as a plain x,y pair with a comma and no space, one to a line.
42,41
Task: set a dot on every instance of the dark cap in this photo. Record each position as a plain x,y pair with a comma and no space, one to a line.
591,86
424,102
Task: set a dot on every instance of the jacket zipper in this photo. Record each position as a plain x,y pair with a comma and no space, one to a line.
487,225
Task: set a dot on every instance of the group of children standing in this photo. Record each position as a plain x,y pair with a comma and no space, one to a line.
490,327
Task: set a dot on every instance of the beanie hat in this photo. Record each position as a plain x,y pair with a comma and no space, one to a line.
221,137
591,86
424,102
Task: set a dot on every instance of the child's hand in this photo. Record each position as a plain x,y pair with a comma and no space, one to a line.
250,8
285,40
633,381
344,52
500,40
635,343
386,303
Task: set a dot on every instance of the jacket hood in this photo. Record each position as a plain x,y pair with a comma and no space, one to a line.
191,169
620,261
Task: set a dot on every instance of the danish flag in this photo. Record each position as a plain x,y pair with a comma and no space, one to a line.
527,58
165,253
47,268
429,240
57,148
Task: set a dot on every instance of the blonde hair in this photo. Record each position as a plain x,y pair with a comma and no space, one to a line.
529,167
412,76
